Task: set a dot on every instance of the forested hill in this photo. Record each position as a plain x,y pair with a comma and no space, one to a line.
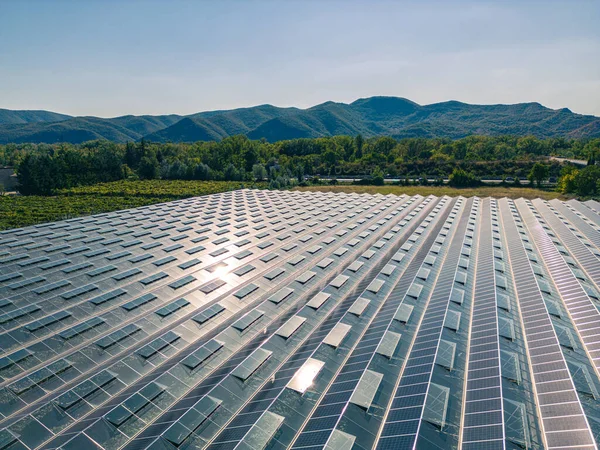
8,116
374,116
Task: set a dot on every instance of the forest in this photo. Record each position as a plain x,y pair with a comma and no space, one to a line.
43,169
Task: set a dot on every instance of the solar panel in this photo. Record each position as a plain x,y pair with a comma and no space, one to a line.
287,319
484,341
548,355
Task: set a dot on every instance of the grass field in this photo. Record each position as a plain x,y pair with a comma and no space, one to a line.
19,211
483,191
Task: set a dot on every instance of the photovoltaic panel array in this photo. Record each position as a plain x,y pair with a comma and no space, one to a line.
281,319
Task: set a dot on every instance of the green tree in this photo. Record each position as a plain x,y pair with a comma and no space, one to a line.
106,162
529,145
57,166
232,174
592,159
37,175
259,172
591,149
300,173
201,172
330,158
177,171
149,168
586,180
538,174
566,183
250,156
128,174
133,155
359,142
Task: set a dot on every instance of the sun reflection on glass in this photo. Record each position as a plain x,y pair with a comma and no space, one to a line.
221,272
304,377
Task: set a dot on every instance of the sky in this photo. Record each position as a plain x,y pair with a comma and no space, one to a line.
114,57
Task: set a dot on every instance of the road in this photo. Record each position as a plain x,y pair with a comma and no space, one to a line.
579,162
431,180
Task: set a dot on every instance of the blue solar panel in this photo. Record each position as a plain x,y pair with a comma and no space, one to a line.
461,323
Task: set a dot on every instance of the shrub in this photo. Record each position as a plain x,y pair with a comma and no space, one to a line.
377,179
461,178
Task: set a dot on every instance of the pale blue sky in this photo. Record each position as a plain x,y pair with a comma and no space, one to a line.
116,57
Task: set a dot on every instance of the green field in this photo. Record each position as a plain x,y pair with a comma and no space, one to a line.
483,191
19,211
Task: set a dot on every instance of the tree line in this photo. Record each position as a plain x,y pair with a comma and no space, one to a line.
583,182
44,168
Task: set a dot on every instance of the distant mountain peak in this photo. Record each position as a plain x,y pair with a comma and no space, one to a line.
451,103
376,98
387,105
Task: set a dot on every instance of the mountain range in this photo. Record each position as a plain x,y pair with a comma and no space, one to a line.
373,116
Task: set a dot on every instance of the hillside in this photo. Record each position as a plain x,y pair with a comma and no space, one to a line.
8,116
374,116
81,129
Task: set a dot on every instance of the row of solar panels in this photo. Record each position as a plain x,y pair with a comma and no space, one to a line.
249,365
313,251
24,314
405,322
